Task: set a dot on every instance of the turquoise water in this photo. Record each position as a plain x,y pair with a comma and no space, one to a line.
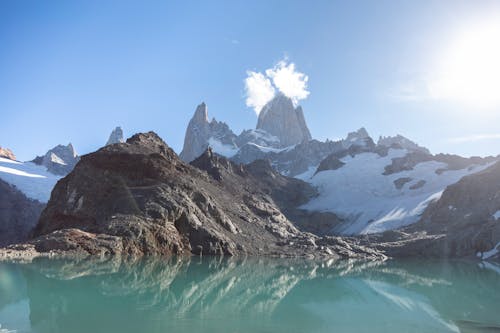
253,295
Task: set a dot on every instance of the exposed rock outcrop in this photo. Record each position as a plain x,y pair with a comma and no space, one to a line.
402,142
332,162
18,214
359,138
116,136
7,153
139,198
468,213
280,118
59,160
201,131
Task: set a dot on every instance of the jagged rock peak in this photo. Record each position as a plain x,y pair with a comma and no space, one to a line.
116,136
400,141
358,138
7,153
201,113
59,160
215,165
280,118
152,142
201,133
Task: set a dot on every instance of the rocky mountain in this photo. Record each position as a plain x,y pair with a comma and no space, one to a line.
368,187
469,213
59,160
7,153
24,190
376,188
281,119
402,142
116,136
18,214
140,198
202,133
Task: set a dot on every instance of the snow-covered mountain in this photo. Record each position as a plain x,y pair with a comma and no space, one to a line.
35,181
26,186
202,133
368,198
59,160
24,190
280,126
370,187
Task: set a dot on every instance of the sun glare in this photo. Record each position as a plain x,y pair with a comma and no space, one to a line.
469,68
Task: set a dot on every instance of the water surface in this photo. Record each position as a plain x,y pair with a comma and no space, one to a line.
252,295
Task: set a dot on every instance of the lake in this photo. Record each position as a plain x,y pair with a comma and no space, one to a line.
248,295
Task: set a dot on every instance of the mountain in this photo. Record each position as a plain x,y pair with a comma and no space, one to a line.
377,189
59,160
116,136
24,190
201,133
7,153
139,198
18,214
368,187
401,142
469,213
33,180
281,119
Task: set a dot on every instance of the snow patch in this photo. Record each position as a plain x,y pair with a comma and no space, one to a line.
492,252
368,201
222,149
31,179
496,216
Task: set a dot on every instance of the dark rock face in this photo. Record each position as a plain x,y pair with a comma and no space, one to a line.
463,223
454,162
466,213
18,214
400,182
332,162
139,198
280,118
7,153
59,160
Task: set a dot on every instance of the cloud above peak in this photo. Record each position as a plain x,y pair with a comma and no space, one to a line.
260,88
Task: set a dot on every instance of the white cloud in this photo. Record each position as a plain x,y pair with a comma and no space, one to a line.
473,138
259,90
290,82
261,87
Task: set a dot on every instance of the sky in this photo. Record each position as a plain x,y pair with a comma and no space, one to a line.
70,71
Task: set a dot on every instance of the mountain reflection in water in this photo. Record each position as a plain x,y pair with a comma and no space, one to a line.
248,295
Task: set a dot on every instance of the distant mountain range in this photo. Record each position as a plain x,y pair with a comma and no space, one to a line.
26,186
370,187
271,190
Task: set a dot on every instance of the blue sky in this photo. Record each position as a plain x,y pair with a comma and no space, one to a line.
70,71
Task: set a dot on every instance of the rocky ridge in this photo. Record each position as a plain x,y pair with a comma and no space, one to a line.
59,160
18,214
139,198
